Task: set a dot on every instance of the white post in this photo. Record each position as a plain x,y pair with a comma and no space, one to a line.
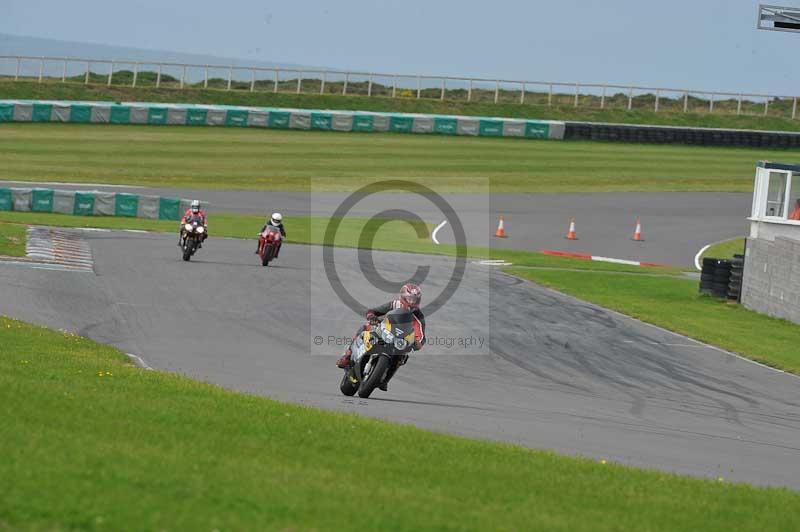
135,74
603,98
739,105
794,107
630,98
496,91
41,70
88,69
205,81
766,106
253,80
64,72
16,76
550,96
110,73
346,80
577,90
711,103
322,84
299,83
469,92
277,80
419,87
522,94
158,77
444,88
230,77
394,85
658,95
685,102
369,86
183,76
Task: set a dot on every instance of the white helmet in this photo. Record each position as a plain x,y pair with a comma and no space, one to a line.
276,218
195,205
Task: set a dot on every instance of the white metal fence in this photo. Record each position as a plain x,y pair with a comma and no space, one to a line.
371,84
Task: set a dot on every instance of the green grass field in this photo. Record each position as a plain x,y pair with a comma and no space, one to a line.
228,158
91,443
394,236
12,240
725,249
674,304
642,113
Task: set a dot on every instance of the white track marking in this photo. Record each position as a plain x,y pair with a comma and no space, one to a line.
697,257
139,361
433,235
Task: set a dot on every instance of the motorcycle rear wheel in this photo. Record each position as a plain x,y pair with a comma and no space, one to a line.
374,378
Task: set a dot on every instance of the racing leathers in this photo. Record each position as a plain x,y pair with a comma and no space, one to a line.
190,217
373,315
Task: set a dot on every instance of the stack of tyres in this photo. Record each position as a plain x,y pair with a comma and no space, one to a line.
707,276
735,283
722,278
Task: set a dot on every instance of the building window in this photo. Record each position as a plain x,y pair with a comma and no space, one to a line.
776,194
793,209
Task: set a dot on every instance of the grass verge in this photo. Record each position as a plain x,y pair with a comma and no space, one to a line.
12,240
393,236
100,92
257,159
90,442
674,304
725,249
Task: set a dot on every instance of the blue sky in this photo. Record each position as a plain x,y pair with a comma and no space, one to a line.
700,44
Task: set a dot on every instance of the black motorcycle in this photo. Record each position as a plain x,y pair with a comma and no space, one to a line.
192,234
378,352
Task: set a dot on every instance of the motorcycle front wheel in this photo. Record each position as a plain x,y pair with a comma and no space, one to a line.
347,386
187,250
373,379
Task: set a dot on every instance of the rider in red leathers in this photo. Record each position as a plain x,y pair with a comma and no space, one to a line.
194,212
409,298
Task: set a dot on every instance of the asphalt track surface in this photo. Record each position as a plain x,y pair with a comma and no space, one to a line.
562,374
675,225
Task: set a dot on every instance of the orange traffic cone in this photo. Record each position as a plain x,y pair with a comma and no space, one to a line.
501,231
637,233
571,234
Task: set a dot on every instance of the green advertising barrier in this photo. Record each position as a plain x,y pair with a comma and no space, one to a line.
321,121
169,209
6,202
278,119
80,114
42,200
363,123
126,205
42,112
401,124
534,130
6,112
157,116
236,118
84,204
490,128
120,114
445,126
196,117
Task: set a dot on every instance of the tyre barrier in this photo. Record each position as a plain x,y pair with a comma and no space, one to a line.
93,203
680,135
715,277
